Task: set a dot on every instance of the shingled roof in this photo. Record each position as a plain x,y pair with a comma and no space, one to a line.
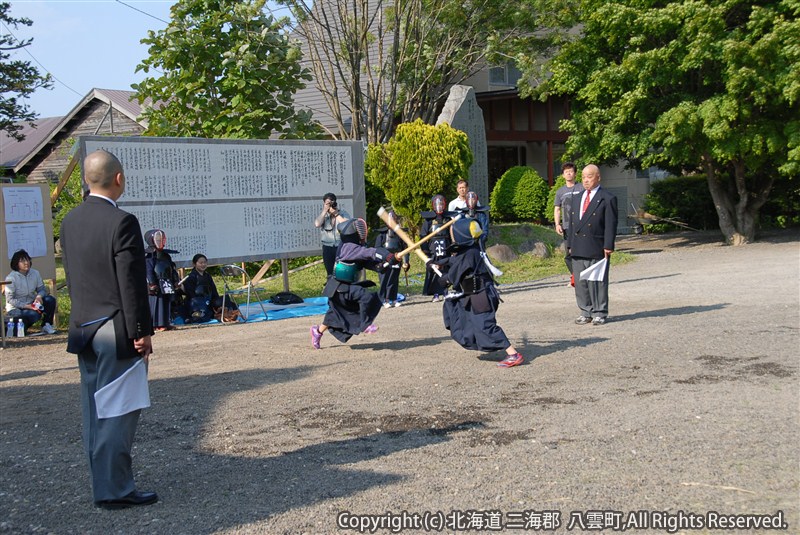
15,154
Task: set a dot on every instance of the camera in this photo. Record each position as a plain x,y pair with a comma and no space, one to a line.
334,204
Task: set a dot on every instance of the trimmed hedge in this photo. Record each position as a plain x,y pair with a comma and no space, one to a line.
520,194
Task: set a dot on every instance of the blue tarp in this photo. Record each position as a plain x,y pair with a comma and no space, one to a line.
313,306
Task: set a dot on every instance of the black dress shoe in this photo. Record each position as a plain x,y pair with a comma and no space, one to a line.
131,500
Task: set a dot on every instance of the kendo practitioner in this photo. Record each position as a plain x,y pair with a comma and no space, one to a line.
479,213
469,309
390,278
436,248
162,278
352,309
202,297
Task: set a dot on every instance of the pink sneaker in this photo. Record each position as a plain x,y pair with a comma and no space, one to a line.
316,336
371,329
511,360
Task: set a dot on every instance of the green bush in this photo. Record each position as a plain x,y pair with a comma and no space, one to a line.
519,195
530,198
501,200
685,198
551,198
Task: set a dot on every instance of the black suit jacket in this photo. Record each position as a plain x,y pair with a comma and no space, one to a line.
103,254
597,229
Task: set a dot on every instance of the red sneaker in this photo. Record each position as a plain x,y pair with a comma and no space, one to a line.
511,360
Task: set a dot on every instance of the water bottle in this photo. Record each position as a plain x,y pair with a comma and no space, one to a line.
10,327
20,328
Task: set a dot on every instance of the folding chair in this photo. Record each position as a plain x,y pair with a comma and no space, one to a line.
231,272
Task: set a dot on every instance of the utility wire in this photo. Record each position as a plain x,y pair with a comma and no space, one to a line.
25,49
142,12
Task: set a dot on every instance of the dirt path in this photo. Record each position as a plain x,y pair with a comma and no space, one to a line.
685,402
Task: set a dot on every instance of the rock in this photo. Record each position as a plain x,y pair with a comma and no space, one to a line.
501,253
535,248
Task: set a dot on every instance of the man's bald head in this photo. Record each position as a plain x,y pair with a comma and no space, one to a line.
103,173
590,177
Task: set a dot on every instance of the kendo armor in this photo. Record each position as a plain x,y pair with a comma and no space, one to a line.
464,232
346,272
353,230
156,240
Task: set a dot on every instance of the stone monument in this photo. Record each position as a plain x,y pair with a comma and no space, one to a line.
461,111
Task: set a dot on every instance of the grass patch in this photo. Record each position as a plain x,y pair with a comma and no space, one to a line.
309,282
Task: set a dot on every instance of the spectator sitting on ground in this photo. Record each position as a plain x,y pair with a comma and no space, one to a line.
26,295
202,296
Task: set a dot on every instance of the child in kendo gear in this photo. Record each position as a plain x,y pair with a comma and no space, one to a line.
390,278
162,278
469,310
475,211
436,248
352,309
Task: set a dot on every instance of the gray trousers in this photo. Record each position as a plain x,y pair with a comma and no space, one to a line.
591,296
107,442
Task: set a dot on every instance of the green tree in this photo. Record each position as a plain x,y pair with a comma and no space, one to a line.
416,164
226,70
18,79
709,85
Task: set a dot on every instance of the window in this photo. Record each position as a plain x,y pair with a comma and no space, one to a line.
506,75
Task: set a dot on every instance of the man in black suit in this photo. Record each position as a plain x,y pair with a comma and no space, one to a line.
592,231
110,325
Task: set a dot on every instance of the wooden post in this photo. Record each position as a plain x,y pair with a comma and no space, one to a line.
285,271
62,182
262,271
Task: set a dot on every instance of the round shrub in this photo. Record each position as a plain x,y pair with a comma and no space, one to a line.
530,197
501,200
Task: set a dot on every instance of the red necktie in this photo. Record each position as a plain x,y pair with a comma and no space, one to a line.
586,202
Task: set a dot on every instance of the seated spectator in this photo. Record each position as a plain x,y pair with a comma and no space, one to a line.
202,297
26,295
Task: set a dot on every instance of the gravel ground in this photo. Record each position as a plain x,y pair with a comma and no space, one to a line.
686,404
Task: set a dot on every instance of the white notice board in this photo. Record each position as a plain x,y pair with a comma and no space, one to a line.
235,200
27,224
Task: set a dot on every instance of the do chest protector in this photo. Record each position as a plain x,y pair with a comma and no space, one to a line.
345,272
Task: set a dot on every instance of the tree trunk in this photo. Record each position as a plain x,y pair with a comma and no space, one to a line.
737,218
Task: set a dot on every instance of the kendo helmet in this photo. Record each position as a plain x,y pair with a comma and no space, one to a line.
472,200
438,204
464,232
156,239
353,231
